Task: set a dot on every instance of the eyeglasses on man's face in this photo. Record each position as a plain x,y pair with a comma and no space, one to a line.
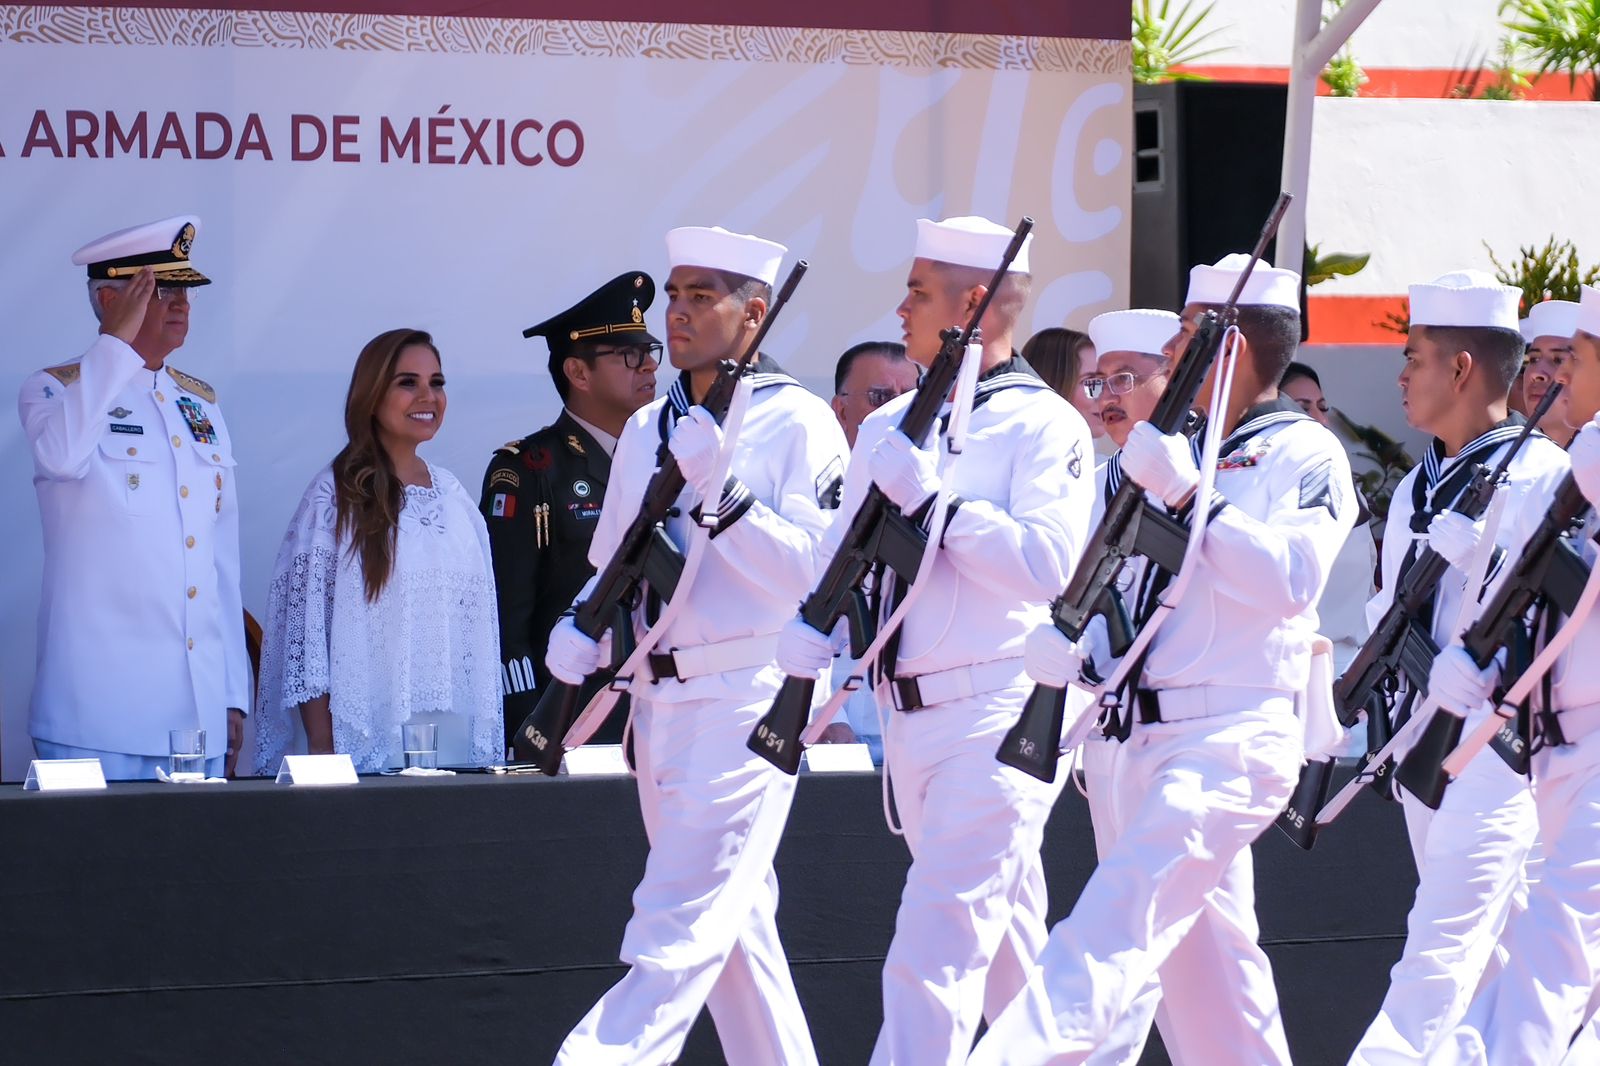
1116,384
877,395
633,356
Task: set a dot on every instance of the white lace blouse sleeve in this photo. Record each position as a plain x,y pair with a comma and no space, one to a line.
297,630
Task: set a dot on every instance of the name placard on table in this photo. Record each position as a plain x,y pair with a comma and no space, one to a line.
839,758
596,760
317,770
64,775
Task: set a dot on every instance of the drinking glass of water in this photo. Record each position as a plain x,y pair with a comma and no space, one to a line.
420,742
188,750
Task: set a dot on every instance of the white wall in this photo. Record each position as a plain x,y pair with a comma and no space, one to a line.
1414,34
1422,184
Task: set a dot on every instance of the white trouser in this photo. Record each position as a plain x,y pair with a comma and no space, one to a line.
703,930
972,915
1224,1005
1530,1011
1194,796
1470,857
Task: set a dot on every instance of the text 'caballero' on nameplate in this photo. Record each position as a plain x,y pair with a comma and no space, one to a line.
596,760
317,770
839,758
64,775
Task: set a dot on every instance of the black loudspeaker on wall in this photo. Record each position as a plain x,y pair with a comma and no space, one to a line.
1207,165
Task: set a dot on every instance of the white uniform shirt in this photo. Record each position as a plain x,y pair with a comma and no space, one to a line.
1531,483
1026,484
1249,615
140,621
789,455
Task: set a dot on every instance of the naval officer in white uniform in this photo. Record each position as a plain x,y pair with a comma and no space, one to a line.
140,619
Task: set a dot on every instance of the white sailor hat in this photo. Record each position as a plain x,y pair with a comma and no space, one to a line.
715,247
969,241
162,245
1138,330
1269,286
1553,318
1469,298
1589,311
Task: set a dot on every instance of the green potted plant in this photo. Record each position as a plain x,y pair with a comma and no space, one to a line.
1164,39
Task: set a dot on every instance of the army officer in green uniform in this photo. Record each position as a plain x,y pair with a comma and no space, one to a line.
542,494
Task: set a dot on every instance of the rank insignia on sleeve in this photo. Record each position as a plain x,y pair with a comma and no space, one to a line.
505,506
1320,489
508,478
1075,460
830,485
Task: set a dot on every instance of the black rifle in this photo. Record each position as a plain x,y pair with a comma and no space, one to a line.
645,555
878,533
1402,642
1130,527
1550,567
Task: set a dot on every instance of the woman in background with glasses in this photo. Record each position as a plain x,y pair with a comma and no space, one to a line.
382,607
1066,360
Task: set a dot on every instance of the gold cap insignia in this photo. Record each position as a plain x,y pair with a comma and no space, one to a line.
185,241
638,315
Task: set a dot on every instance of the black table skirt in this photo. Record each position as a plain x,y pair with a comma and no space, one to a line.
475,919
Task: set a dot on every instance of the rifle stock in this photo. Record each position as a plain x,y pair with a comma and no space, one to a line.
878,532
644,554
1033,744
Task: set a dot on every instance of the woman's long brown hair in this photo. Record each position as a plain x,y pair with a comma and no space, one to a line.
367,489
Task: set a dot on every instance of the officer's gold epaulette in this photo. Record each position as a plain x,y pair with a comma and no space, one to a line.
190,383
510,447
66,373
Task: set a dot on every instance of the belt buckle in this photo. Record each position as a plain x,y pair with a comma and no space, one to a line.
907,694
660,659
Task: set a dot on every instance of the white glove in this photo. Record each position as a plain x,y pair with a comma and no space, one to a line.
1160,462
1457,683
571,656
1585,456
1050,658
694,443
802,651
1455,536
905,472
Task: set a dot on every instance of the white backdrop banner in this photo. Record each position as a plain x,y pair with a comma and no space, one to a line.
471,176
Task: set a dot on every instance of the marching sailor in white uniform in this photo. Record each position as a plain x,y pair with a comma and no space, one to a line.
141,627
1461,356
1527,1014
1213,744
972,915
703,932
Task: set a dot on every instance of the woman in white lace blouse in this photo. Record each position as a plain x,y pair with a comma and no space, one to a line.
382,606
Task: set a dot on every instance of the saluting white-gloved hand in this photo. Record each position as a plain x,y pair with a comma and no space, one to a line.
906,473
802,651
571,656
1455,536
1050,658
1585,456
1161,463
694,443
1457,683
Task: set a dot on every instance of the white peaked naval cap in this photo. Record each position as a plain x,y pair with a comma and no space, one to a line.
717,248
1139,330
1589,311
1466,298
1268,286
1553,318
969,241
163,246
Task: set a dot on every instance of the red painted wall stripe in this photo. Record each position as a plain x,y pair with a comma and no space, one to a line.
1353,319
1088,19
1406,84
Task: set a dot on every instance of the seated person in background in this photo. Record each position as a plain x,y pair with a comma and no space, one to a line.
1342,611
382,606
1548,330
866,377
1066,359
